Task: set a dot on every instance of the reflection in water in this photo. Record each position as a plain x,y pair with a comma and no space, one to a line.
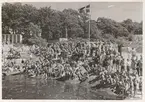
22,87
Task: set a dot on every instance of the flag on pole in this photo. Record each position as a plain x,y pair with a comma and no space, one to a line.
88,9
82,10
85,9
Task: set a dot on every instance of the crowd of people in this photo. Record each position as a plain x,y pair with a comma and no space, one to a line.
83,59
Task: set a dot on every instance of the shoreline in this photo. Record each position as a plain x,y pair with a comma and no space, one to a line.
103,93
86,83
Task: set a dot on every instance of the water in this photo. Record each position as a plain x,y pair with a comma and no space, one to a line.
22,87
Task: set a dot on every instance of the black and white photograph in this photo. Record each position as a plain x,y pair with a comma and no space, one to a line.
72,50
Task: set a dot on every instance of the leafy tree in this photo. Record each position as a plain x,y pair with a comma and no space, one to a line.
71,22
7,10
35,36
48,22
51,24
109,26
17,16
129,25
138,28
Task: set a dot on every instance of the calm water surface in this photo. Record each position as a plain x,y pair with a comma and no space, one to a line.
22,87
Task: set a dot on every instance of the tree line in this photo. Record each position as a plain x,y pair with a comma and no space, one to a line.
44,24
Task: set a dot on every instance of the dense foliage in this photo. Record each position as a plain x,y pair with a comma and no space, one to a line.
50,24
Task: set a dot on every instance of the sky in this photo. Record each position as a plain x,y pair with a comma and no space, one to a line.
118,11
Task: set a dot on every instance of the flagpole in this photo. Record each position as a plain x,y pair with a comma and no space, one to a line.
87,9
89,32
89,26
66,32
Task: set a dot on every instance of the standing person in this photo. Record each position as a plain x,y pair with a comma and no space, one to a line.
133,52
136,84
114,64
31,56
128,64
110,64
122,65
118,59
133,63
129,52
120,48
139,66
131,86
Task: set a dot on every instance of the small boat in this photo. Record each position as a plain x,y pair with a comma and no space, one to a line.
32,76
62,77
15,72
